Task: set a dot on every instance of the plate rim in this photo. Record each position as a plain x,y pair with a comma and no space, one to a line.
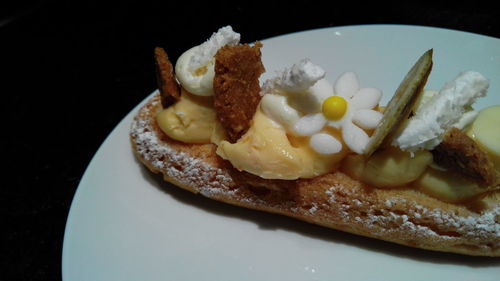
126,119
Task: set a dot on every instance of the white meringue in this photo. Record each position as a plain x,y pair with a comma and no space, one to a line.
195,67
442,111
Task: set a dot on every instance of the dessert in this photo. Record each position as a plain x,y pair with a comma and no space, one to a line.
329,153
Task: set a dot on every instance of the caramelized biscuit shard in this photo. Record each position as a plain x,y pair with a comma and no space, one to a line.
236,87
168,86
460,153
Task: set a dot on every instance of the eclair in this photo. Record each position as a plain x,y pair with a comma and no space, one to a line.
421,171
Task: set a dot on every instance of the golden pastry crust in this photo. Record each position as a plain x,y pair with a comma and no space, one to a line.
404,216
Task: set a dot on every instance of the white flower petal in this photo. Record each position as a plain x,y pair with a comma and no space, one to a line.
366,98
309,124
325,144
367,118
321,90
347,85
355,138
335,124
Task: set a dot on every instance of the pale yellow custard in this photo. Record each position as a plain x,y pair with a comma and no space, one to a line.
485,130
266,151
191,119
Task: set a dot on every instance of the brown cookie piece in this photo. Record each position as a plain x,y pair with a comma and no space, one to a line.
168,86
458,152
236,87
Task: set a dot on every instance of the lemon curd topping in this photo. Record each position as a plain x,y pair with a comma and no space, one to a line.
191,119
485,131
267,151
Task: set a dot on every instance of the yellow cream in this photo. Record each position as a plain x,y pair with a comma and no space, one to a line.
388,168
485,131
191,119
266,151
218,134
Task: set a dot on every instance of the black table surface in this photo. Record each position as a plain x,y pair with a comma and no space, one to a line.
72,70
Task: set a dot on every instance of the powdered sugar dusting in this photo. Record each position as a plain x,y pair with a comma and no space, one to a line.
480,226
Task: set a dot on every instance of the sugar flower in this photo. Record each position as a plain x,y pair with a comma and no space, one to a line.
350,110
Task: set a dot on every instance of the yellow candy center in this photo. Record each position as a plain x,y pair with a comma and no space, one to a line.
334,107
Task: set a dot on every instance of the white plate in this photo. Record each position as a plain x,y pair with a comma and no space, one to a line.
125,224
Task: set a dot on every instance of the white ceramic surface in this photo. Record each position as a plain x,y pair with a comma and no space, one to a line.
125,224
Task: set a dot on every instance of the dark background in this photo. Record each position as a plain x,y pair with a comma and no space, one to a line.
72,70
